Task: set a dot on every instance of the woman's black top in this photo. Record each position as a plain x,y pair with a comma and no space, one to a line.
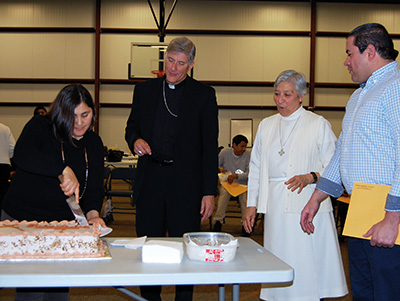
35,192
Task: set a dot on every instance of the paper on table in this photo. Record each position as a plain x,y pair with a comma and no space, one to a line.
133,243
366,208
235,188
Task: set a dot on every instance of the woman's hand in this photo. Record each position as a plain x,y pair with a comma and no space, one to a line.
300,181
69,183
94,218
249,219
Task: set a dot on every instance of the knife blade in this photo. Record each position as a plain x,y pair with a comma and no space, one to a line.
77,211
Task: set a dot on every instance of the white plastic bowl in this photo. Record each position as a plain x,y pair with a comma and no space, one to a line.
210,246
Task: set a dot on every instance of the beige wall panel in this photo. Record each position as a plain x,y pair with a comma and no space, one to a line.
347,16
30,93
249,58
213,57
226,115
397,46
47,13
116,93
16,13
306,100
332,97
16,55
80,56
335,119
47,55
218,58
246,96
112,127
240,15
115,54
129,14
63,56
224,119
15,118
330,57
282,53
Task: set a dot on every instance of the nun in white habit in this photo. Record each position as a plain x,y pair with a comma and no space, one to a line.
291,150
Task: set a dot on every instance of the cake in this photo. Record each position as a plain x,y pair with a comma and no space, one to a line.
43,240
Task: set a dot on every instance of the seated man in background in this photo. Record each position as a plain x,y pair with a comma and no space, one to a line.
235,162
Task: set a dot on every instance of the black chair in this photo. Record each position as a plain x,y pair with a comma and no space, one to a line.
126,175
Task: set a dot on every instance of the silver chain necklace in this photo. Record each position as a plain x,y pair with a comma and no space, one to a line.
282,152
165,102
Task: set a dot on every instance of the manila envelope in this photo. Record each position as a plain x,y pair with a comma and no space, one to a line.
235,188
366,208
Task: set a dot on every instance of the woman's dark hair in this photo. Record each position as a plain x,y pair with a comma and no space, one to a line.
374,34
62,110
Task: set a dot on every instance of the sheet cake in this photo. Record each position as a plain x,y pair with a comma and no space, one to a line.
43,240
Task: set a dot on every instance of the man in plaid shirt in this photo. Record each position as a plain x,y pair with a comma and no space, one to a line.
368,150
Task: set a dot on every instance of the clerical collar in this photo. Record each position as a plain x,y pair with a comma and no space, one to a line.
173,87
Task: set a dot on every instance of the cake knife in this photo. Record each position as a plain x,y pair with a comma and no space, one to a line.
77,211
75,208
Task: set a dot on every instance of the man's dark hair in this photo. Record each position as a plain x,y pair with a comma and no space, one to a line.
238,139
374,34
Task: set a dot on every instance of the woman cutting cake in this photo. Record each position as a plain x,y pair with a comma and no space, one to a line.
57,156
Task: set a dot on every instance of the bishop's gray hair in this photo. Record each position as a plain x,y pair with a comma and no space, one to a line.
183,45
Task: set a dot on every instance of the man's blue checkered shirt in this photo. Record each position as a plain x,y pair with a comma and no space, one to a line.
368,149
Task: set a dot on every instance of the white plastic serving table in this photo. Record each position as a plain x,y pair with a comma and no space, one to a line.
252,264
